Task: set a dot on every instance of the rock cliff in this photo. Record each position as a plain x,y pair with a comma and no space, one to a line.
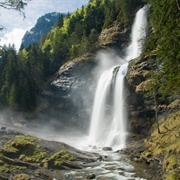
43,26
68,98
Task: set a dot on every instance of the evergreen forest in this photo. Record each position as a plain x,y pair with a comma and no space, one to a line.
23,74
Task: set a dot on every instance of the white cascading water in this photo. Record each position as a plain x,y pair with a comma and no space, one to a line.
109,129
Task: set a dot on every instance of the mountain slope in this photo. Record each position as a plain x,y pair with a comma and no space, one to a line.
43,26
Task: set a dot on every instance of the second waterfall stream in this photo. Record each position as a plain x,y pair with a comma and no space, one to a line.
109,117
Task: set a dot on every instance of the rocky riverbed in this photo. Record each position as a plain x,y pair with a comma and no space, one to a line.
27,157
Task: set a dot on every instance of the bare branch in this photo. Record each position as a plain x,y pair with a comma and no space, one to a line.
17,5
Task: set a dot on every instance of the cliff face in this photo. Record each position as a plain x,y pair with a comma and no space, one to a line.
43,26
141,115
114,37
142,104
68,99
151,142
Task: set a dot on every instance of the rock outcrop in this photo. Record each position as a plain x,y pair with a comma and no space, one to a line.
149,142
141,102
140,114
44,25
27,157
114,37
68,98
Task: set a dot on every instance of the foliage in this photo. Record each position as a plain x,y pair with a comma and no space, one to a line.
58,158
166,144
17,5
24,74
24,148
22,177
23,151
14,4
164,40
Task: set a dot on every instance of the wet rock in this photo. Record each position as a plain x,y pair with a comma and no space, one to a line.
122,169
62,98
111,168
107,149
3,128
104,178
43,160
100,158
91,176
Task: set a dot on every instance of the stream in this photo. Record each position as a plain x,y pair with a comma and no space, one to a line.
114,166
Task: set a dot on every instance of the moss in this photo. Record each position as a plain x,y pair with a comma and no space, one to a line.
4,168
22,177
169,163
37,156
9,147
21,143
10,167
168,140
171,176
3,177
24,148
175,104
26,138
166,144
146,154
62,146
59,158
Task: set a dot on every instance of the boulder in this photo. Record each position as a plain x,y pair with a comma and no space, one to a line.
107,149
91,176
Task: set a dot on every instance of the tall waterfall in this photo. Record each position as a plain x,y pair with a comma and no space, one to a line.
109,116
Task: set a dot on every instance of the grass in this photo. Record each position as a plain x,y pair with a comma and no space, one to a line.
24,148
166,144
22,177
59,158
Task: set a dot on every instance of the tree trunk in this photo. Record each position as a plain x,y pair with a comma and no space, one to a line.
156,112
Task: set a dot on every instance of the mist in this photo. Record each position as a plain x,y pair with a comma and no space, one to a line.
64,110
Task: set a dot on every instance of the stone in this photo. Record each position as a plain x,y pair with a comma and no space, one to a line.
91,176
107,149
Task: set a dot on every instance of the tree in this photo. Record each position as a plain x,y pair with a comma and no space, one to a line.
164,18
17,5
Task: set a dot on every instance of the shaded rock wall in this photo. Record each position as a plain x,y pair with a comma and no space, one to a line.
67,101
141,105
140,115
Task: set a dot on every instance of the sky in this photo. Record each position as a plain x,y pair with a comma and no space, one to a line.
16,26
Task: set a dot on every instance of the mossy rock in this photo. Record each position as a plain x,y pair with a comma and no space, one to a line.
57,159
168,140
166,144
172,176
19,144
2,177
170,163
24,148
22,177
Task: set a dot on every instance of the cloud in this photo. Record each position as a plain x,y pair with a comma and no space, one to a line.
16,25
13,37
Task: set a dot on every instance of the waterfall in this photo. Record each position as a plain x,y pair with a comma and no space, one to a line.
109,116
